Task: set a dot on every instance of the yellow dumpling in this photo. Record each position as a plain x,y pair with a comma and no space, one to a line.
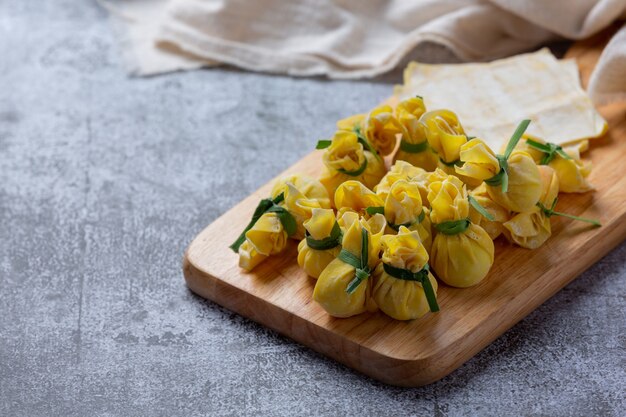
380,128
300,208
528,230
462,252
440,175
565,161
354,196
524,184
249,257
355,125
464,259
500,214
532,228
479,161
512,179
344,288
403,170
403,207
572,172
550,185
352,123
404,289
322,243
346,160
448,200
414,147
266,237
269,223
445,136
309,187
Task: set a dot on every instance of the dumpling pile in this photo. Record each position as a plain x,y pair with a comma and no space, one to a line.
379,239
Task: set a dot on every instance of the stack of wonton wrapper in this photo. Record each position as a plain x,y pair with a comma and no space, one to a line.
491,98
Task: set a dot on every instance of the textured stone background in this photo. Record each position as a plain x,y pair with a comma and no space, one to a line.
104,180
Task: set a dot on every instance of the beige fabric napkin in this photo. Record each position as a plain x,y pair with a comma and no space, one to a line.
354,39
608,81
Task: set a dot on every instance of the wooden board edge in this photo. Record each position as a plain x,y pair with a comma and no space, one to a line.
390,370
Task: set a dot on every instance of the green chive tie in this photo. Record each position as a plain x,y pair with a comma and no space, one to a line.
549,212
413,147
502,177
375,210
550,151
420,276
420,218
267,205
453,227
457,163
329,242
362,269
483,212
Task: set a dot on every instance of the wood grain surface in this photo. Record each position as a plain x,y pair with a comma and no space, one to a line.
278,294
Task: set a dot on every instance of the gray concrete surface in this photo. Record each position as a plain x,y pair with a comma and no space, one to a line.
104,180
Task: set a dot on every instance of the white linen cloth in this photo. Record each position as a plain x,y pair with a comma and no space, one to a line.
357,39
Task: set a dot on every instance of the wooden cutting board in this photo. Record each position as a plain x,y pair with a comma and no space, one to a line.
278,294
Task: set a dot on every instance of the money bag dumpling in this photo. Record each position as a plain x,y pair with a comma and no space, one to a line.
354,196
566,162
345,159
532,228
265,238
500,214
445,136
322,243
310,188
404,289
512,179
403,170
414,147
462,252
344,287
403,207
380,129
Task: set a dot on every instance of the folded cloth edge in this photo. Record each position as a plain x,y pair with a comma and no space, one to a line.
611,70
